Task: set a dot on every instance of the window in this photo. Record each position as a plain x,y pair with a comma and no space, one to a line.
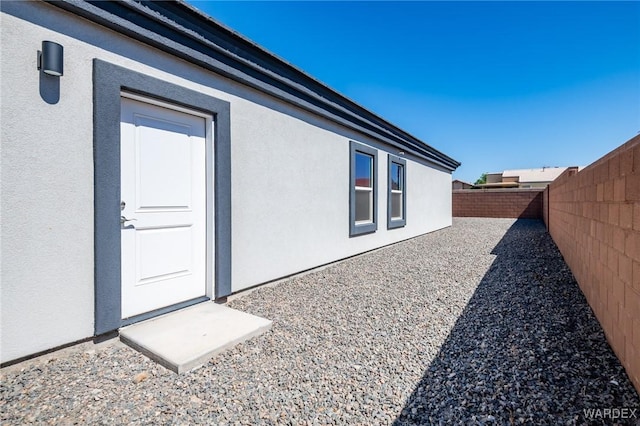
396,196
364,188
362,192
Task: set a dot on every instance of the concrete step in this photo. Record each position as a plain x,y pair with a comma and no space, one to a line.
186,339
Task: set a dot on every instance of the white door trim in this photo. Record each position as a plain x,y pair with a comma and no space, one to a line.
167,105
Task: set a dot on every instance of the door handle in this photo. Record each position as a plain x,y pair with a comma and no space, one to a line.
123,220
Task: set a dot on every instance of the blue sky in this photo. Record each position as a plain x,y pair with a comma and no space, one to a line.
495,85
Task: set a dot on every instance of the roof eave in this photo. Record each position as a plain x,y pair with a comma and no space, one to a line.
248,64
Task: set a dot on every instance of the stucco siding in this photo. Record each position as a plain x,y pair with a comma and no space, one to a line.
291,198
290,178
47,198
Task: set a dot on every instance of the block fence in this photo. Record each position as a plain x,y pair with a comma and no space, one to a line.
515,203
594,218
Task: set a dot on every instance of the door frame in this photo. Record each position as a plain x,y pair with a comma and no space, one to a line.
109,83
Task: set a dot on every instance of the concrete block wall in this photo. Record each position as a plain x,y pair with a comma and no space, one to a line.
545,206
510,203
594,219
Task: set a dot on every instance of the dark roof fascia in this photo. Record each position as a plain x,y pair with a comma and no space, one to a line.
179,29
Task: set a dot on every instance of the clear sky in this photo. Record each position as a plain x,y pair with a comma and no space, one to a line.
495,85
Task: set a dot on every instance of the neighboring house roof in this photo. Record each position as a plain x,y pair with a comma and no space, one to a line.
498,185
182,30
544,174
461,183
364,182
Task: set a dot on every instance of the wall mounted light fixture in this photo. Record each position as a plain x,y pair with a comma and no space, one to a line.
51,58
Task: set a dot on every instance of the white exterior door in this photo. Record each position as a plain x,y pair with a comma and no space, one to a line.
163,190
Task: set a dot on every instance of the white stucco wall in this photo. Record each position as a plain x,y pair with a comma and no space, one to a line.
290,182
47,199
291,200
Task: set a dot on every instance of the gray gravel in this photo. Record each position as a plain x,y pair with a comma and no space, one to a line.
478,323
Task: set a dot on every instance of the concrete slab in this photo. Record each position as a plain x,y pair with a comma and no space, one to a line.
186,339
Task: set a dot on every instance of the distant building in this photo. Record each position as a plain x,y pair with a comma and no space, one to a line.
459,184
522,178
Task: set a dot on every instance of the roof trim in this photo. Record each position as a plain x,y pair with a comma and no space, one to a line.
181,30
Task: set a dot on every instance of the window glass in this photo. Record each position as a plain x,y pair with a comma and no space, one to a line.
396,205
364,205
363,170
396,177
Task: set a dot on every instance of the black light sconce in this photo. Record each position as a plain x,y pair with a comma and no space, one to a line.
51,58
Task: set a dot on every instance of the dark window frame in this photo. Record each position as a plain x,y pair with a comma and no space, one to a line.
362,228
393,223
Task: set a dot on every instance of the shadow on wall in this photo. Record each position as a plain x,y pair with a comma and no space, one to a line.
526,348
533,210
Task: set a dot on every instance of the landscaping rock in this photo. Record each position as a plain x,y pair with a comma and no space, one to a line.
480,323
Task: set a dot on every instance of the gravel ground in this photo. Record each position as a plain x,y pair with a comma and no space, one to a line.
478,323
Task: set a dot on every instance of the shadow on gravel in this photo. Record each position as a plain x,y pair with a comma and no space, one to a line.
527,348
